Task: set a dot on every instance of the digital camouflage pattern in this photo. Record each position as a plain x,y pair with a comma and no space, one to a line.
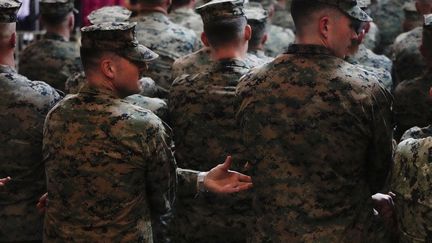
109,14
408,62
388,16
200,62
110,171
411,182
282,17
143,99
202,112
52,59
188,18
167,39
413,104
278,40
261,56
24,105
317,129
56,7
372,38
9,9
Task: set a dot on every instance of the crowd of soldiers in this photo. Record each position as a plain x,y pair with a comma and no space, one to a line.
118,137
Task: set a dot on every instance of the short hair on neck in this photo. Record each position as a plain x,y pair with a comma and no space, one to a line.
54,19
259,29
222,32
302,10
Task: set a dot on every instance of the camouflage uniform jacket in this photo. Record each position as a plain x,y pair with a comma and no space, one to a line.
413,105
408,62
202,113
52,59
111,176
187,17
167,39
278,40
372,38
410,181
317,129
200,62
261,56
24,105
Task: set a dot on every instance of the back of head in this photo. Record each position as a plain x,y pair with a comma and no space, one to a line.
224,21
180,3
55,12
109,14
257,18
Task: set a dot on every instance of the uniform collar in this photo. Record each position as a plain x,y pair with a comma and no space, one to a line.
231,63
7,69
88,90
54,36
308,49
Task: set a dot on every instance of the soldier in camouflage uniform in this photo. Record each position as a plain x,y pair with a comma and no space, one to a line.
318,132
282,15
54,58
110,171
202,113
408,62
183,13
412,18
411,174
412,100
24,105
166,38
360,55
257,18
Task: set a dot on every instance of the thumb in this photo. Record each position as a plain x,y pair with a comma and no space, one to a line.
227,164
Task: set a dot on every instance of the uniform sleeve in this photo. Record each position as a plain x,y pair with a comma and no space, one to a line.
161,190
380,150
187,182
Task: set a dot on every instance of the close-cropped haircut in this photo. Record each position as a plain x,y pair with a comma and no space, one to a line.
259,29
90,57
301,10
222,32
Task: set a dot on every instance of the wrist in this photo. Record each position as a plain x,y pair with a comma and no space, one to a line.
201,182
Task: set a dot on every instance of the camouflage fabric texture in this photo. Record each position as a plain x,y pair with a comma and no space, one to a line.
372,39
9,9
200,62
189,19
413,103
109,14
113,157
278,40
51,59
56,7
144,99
322,126
167,39
24,105
408,62
411,182
202,112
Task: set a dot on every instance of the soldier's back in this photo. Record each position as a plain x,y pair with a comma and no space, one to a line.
169,40
187,18
24,105
412,106
52,59
202,112
411,179
408,62
278,40
307,120
108,164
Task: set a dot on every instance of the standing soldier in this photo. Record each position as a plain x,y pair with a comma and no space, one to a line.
412,99
169,40
24,105
318,131
202,113
111,176
54,58
407,59
411,175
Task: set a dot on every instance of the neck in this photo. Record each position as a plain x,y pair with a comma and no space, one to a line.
100,82
190,5
308,40
8,58
152,9
228,53
64,32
